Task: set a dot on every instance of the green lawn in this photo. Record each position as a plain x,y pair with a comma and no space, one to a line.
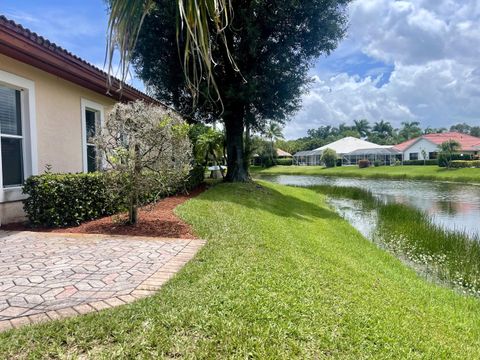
382,172
282,276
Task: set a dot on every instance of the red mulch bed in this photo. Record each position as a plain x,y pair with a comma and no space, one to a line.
156,220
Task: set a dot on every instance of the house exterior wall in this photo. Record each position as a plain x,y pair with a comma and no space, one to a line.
58,120
417,148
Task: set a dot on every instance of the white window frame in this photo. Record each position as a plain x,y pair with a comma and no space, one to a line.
29,133
100,109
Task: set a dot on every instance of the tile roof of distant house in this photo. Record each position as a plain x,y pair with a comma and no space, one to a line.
467,142
283,153
28,47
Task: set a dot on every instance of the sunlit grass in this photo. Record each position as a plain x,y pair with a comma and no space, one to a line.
282,277
411,172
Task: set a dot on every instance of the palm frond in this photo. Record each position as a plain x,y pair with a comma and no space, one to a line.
194,27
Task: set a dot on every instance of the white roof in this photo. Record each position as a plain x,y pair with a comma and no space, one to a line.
349,144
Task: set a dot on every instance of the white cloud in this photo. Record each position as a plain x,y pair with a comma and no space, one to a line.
434,46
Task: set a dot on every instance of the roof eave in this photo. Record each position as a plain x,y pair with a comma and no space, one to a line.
22,45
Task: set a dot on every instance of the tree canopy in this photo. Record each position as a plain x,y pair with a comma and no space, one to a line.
273,45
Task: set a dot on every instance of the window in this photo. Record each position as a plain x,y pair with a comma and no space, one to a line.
92,118
18,141
413,156
432,155
91,128
11,137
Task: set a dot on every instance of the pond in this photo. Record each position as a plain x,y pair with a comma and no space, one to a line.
451,206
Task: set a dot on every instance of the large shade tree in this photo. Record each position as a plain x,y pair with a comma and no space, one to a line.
273,44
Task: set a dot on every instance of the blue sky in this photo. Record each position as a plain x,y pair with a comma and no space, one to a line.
402,60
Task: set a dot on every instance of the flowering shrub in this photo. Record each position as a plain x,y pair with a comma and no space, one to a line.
148,146
363,164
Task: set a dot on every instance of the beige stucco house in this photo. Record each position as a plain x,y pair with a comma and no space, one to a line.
49,101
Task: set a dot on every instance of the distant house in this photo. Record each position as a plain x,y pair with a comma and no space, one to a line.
50,102
429,144
283,154
349,150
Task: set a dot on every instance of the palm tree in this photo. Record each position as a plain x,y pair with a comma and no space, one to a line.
362,126
195,18
410,130
273,132
211,144
383,128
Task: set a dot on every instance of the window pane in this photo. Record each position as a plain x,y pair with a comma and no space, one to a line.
12,161
10,115
91,158
90,124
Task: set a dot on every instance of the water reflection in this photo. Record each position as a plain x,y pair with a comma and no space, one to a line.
452,206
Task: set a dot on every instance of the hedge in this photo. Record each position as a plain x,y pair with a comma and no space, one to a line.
67,199
443,158
465,164
284,162
56,200
421,162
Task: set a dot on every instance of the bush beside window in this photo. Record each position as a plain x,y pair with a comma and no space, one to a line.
57,200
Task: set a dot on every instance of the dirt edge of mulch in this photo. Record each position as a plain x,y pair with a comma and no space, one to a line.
156,220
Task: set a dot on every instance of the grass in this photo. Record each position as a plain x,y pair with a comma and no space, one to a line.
451,255
282,276
412,172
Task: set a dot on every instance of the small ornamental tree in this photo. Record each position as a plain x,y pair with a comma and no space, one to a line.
447,150
147,148
424,156
329,158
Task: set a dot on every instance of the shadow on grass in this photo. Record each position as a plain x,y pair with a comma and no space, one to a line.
258,196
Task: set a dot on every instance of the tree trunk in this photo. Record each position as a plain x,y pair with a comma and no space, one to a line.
133,214
237,171
137,169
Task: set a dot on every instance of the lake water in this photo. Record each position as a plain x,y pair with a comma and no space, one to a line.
452,206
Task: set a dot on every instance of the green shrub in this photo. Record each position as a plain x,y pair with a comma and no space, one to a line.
196,177
285,162
56,200
363,164
465,164
377,163
329,158
421,162
444,158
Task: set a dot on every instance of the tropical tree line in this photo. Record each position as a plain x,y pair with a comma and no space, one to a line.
380,132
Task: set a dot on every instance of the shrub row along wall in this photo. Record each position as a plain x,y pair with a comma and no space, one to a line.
465,164
56,200
284,162
421,162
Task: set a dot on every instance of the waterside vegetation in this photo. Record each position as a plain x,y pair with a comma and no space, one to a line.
411,172
453,257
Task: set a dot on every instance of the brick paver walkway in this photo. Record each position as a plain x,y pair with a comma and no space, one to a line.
49,276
